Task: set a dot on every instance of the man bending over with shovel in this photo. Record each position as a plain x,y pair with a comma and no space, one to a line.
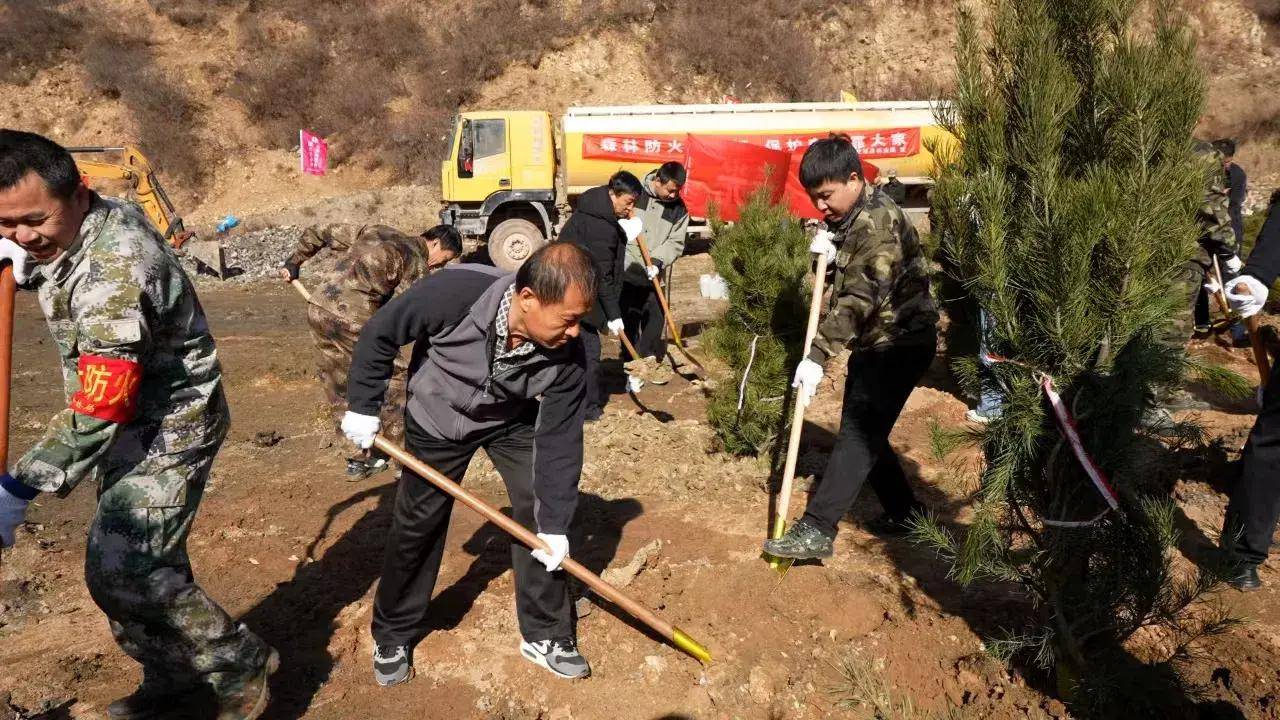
146,415
880,308
497,363
378,263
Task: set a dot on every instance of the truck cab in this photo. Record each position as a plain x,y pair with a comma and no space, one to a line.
498,182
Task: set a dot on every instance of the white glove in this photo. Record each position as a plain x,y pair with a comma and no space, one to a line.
1234,264
616,327
13,511
360,429
822,245
1247,304
652,271
12,251
808,375
559,545
634,384
632,226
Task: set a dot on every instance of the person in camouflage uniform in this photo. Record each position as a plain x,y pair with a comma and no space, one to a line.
377,264
1217,240
880,307
146,415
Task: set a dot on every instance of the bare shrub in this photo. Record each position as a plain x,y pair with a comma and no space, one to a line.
191,13
33,36
123,66
763,50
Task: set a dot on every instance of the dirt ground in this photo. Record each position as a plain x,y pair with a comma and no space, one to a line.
292,548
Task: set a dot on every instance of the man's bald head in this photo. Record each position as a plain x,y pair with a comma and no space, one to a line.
555,268
555,288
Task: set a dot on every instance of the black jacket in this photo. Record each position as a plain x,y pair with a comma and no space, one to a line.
454,393
594,227
1264,261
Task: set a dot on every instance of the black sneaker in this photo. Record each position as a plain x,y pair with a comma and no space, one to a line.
360,468
559,655
1245,578
392,665
802,542
593,414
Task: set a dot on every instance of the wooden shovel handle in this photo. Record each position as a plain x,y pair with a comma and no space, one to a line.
666,308
528,538
8,289
797,414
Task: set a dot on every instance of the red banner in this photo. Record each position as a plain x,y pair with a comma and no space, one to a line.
871,144
725,173
108,388
313,153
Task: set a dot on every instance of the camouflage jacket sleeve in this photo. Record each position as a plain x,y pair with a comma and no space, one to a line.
317,237
1216,233
376,271
862,279
108,323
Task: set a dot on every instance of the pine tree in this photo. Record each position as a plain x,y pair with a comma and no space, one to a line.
764,260
1067,211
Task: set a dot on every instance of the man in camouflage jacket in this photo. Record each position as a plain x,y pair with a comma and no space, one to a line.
146,415
880,308
1217,241
377,264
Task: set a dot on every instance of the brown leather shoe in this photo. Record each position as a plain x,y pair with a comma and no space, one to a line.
250,701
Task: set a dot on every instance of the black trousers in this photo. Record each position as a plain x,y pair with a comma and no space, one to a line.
1254,507
420,520
642,315
879,383
591,346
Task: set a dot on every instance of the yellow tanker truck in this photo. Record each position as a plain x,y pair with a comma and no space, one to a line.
509,173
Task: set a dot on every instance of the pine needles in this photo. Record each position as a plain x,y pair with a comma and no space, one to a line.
764,260
1067,211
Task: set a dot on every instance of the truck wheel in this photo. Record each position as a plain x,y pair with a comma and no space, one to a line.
512,242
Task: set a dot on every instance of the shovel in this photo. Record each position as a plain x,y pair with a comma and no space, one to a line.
8,288
671,633
666,309
782,565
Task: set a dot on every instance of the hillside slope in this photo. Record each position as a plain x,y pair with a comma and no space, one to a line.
216,91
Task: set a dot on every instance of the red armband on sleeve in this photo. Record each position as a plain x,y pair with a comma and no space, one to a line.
108,388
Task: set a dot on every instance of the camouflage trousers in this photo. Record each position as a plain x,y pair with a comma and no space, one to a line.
1190,280
139,574
335,340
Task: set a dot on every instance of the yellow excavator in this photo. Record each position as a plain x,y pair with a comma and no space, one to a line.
133,168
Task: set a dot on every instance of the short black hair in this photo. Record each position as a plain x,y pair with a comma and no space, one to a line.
552,269
1226,146
624,183
672,171
23,152
831,159
448,236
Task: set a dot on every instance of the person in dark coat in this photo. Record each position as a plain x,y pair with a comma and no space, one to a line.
594,227
1237,187
1254,507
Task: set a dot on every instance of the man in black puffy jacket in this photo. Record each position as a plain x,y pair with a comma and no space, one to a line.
594,227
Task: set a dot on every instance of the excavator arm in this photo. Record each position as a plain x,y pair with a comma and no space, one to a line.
134,168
